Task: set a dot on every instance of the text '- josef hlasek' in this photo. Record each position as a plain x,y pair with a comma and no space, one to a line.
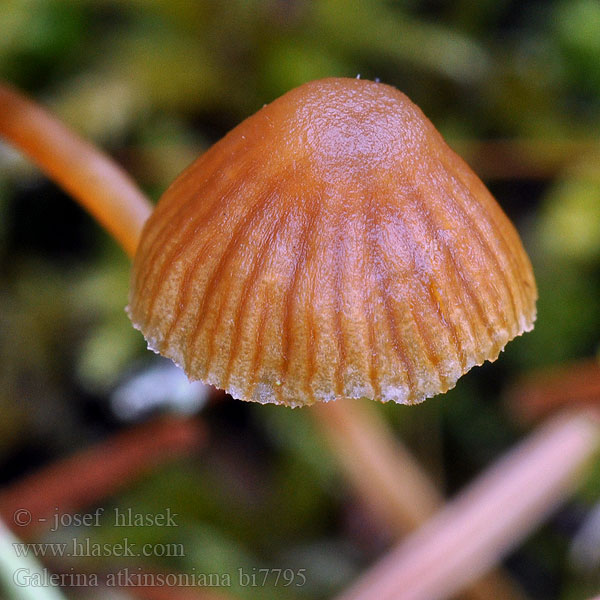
117,517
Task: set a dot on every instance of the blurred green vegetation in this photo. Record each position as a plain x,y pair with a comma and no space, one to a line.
154,83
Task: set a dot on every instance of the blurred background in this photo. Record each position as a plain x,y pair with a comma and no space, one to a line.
515,89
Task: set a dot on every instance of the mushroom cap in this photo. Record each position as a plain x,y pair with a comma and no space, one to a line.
331,246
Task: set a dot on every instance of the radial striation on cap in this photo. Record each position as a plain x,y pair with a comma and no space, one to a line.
331,246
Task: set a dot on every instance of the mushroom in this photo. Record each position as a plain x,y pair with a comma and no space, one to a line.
331,246
442,275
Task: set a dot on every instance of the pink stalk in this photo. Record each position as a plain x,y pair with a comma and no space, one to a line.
390,481
474,531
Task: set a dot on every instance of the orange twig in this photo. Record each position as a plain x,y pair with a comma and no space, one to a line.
102,187
80,481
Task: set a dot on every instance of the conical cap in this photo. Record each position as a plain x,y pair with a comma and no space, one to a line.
332,245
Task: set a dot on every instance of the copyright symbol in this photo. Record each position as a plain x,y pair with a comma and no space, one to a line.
22,517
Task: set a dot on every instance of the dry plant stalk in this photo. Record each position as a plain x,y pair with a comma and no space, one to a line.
477,528
391,483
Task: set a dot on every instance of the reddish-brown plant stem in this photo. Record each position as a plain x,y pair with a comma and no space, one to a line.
472,532
389,480
86,478
174,593
536,395
102,187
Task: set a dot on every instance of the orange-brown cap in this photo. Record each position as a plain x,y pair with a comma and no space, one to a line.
332,245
